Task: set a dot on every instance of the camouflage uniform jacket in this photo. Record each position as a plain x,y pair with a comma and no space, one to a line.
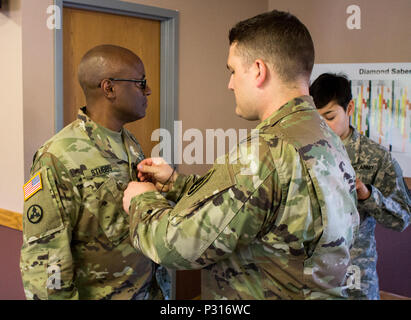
279,227
75,231
389,205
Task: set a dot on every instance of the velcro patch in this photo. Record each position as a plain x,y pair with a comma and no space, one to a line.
32,186
35,214
43,210
102,170
200,182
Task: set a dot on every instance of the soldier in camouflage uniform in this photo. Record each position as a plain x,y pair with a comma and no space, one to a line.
382,193
76,234
278,226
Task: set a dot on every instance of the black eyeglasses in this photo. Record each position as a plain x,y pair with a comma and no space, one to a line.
142,83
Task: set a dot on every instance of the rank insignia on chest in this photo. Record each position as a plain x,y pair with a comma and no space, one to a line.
32,186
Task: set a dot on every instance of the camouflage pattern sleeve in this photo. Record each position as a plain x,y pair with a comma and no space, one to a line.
46,262
274,220
218,212
389,202
181,184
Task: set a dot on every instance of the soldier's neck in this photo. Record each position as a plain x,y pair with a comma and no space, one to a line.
104,119
280,97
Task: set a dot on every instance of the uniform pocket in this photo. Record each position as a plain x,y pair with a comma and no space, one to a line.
113,220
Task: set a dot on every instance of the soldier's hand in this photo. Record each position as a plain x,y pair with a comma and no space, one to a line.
362,191
134,189
157,171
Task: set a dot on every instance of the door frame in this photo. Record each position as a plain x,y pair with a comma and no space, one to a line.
169,20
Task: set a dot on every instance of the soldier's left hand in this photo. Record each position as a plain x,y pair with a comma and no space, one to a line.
362,191
134,189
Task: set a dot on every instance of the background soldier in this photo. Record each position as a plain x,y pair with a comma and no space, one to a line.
283,232
79,248
383,196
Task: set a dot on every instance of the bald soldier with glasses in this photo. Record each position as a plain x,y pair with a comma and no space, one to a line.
78,246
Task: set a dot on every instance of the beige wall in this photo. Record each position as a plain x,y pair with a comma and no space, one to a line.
385,34
27,91
27,50
38,78
27,82
11,111
204,100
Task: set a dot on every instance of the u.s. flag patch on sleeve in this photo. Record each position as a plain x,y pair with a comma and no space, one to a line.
32,186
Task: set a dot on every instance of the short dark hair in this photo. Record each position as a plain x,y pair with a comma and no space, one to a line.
329,87
280,39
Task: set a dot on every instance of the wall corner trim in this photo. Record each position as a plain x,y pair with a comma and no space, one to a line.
11,219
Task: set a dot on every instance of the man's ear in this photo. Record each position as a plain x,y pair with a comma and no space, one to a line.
108,89
261,72
350,108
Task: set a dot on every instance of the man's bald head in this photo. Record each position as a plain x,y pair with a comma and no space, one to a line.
102,62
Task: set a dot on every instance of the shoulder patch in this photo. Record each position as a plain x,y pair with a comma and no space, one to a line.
32,186
35,214
42,211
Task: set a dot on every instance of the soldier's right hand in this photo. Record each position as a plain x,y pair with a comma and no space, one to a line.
157,171
363,193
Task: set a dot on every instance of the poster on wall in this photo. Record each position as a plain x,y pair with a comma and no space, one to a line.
382,96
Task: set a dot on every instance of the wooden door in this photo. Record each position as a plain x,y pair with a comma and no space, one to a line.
83,30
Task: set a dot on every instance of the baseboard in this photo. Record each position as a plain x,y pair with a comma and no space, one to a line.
11,219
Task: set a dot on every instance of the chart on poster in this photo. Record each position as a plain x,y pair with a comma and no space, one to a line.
382,96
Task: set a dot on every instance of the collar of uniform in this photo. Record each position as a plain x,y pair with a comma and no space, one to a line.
115,135
352,145
295,105
96,134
